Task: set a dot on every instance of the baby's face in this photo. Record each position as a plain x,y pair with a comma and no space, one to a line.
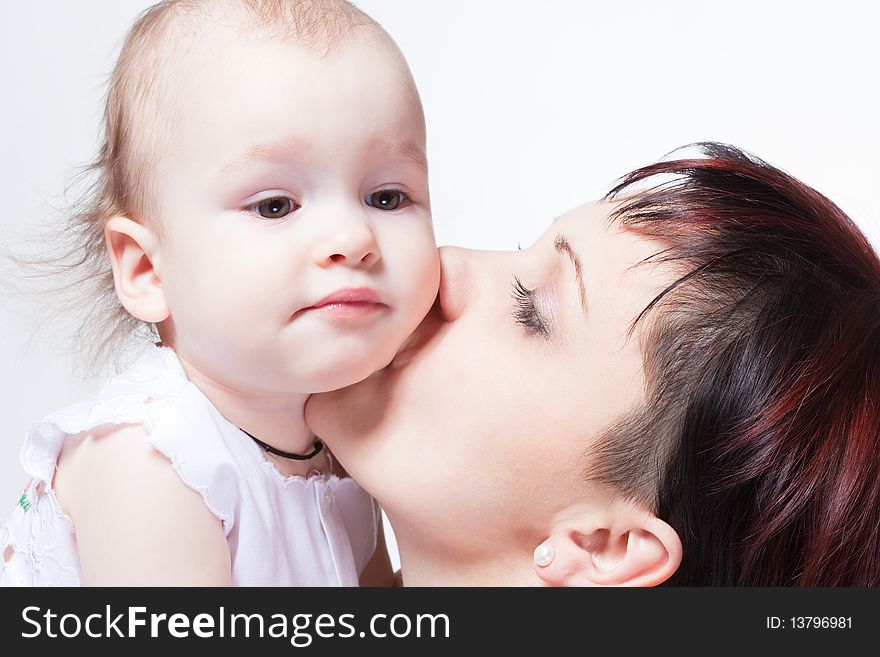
297,250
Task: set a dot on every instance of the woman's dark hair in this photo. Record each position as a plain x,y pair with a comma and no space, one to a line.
759,442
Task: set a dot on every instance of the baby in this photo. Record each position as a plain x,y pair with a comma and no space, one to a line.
263,199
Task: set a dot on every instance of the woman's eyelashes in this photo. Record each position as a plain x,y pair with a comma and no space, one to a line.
525,313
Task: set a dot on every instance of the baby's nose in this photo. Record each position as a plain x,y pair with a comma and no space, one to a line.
353,244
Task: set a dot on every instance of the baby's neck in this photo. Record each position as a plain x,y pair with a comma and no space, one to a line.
276,420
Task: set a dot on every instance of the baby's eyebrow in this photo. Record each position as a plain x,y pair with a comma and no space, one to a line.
294,147
411,151
274,151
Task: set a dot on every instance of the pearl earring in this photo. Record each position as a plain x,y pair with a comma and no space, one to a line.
544,555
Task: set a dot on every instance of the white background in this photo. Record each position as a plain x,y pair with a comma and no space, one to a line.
532,108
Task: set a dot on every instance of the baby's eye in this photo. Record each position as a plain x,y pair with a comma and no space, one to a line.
276,207
387,199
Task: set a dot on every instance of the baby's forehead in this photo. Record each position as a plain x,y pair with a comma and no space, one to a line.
190,56
217,45
223,63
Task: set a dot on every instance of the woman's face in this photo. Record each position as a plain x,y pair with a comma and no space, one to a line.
480,428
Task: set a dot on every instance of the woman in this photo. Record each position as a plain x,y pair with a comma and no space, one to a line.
679,384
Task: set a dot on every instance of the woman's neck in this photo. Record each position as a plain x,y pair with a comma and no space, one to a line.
425,563
277,420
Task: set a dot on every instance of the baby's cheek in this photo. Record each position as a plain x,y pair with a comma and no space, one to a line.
428,276
423,283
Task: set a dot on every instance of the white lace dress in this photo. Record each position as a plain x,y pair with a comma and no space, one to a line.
282,530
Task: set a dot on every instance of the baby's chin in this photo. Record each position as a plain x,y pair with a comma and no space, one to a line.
342,371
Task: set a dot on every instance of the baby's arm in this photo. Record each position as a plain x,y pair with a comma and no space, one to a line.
137,523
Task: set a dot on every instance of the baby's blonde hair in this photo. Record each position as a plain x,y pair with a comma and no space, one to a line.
137,117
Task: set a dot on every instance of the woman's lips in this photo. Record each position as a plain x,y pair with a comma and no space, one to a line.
347,304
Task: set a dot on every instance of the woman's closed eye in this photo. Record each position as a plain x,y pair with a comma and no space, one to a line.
525,313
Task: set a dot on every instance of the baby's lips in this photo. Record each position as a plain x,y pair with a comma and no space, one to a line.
353,297
349,295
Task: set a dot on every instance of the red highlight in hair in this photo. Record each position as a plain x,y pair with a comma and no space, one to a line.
775,476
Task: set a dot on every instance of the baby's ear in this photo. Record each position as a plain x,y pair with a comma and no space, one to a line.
133,250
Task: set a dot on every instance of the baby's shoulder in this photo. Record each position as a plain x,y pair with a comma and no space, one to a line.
114,472
101,449
130,507
108,460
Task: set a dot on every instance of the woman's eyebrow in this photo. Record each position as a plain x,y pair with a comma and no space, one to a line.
562,246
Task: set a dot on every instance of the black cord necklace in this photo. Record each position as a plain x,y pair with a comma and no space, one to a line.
319,445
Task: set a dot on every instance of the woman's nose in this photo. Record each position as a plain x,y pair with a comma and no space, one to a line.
351,243
462,272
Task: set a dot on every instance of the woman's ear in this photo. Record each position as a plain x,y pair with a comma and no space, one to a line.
133,251
624,546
